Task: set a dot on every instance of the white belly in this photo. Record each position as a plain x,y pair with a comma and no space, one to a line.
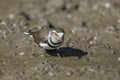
45,46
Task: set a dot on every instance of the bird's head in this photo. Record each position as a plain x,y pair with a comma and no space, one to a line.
57,36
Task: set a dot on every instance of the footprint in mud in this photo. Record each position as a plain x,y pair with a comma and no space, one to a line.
66,52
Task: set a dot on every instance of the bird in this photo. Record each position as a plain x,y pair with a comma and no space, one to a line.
48,38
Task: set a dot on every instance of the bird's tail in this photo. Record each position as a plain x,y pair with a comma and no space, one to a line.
29,32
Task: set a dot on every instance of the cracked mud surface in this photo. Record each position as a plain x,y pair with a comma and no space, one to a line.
92,31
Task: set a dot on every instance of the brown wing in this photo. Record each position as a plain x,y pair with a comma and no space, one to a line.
37,37
40,36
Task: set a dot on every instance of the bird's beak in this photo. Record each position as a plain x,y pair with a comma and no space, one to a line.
60,39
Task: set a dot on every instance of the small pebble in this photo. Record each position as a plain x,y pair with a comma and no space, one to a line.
84,38
92,70
95,7
119,59
107,5
50,74
14,25
46,68
93,50
4,62
4,34
11,16
68,73
91,42
42,55
74,30
110,29
69,15
119,21
21,53
3,23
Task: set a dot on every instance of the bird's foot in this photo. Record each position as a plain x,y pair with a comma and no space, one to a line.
44,54
58,53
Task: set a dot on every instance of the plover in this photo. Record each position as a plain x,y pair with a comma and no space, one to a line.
48,38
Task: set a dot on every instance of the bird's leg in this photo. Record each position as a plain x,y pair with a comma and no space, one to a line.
67,42
58,54
45,53
42,50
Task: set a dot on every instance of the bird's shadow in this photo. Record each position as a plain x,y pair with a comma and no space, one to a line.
66,52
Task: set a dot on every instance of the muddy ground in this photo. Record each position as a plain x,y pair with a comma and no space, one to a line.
92,33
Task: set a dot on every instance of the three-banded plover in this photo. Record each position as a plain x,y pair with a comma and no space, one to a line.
48,38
